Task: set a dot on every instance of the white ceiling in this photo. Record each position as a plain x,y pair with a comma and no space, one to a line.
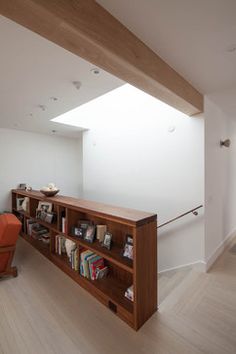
192,36
32,70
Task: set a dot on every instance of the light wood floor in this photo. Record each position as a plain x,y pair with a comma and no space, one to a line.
43,311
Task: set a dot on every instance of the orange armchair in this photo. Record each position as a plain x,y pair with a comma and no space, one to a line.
9,230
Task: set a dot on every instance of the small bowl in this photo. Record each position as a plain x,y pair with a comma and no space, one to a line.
49,193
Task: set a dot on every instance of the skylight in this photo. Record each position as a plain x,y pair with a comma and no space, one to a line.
125,103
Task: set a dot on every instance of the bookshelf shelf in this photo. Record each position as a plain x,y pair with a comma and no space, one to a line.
114,255
109,286
21,212
41,247
141,272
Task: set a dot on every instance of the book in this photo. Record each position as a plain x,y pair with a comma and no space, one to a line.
101,272
84,254
95,264
88,258
76,261
63,222
60,244
101,230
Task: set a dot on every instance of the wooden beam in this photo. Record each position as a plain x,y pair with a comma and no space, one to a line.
86,29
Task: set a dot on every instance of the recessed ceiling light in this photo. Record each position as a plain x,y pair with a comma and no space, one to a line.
53,98
42,107
231,48
95,71
77,84
54,131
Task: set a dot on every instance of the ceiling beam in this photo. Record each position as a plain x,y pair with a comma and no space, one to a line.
86,29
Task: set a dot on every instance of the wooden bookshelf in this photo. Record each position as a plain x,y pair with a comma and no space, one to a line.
123,272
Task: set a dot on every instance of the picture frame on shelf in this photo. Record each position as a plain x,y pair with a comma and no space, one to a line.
41,214
19,202
107,242
129,247
90,233
45,206
83,224
49,218
78,232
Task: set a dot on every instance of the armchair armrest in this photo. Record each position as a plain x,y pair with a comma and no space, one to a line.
4,249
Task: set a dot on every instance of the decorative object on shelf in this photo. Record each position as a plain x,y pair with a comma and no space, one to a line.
128,249
50,190
101,230
90,233
22,186
107,240
29,189
70,246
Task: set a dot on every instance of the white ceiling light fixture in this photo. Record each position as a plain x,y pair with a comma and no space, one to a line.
231,48
95,71
42,107
77,84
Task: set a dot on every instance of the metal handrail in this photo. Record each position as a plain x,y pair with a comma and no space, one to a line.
193,211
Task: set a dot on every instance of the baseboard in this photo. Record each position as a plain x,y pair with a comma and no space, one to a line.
219,250
198,265
203,266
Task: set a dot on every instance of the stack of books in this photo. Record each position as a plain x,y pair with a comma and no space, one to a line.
130,293
37,231
92,266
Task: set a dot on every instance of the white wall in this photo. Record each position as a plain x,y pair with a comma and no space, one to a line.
38,159
220,186
130,159
230,198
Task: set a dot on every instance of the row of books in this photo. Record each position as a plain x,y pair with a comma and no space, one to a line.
92,266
